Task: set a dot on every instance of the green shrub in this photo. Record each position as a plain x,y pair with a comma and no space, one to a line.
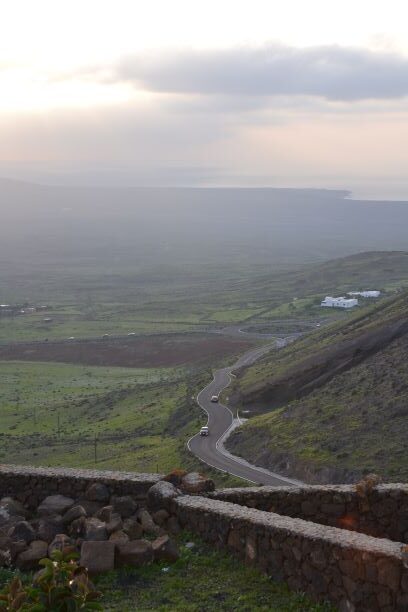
61,586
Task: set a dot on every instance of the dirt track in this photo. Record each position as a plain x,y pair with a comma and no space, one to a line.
143,351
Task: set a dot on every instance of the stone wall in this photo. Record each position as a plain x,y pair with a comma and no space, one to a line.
31,485
289,533
354,571
382,513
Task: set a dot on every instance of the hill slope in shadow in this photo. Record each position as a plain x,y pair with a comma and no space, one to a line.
336,402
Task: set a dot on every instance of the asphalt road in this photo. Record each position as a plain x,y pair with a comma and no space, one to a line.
210,449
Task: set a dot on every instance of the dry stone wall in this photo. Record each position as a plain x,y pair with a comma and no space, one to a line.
382,513
352,570
31,485
291,534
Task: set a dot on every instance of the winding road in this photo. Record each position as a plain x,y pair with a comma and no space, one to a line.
221,421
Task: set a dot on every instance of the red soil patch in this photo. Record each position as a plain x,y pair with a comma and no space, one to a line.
138,352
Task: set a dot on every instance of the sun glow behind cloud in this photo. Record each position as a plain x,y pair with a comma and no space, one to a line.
77,82
43,40
24,90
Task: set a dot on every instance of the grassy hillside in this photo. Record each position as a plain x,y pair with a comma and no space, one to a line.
312,360
336,402
51,414
141,418
382,269
296,294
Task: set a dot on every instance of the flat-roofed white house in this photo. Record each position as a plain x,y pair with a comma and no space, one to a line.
339,302
366,294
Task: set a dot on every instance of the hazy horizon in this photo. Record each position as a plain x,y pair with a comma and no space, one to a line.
206,94
155,232
100,176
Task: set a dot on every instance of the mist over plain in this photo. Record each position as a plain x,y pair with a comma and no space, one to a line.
116,230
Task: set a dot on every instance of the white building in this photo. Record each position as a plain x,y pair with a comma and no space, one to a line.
339,302
366,294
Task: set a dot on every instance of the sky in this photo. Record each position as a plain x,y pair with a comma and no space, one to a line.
227,92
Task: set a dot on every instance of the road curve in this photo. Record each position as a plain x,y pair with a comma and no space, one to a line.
220,421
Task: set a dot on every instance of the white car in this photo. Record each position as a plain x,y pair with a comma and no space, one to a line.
214,398
204,431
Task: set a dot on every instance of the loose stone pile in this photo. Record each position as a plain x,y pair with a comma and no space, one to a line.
107,530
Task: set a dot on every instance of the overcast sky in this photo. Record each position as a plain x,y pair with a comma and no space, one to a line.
288,92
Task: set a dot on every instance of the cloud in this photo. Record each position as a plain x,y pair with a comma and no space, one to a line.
331,72
273,110
121,132
156,145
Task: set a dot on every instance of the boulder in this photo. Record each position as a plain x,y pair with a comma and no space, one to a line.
5,543
78,527
159,496
194,482
17,548
173,526
55,504
160,517
22,531
136,553
114,524
63,543
72,514
175,477
5,558
13,507
346,606
5,517
28,560
124,505
165,549
133,528
49,527
98,557
118,536
148,525
105,514
91,507
97,492
95,530
10,548
7,520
